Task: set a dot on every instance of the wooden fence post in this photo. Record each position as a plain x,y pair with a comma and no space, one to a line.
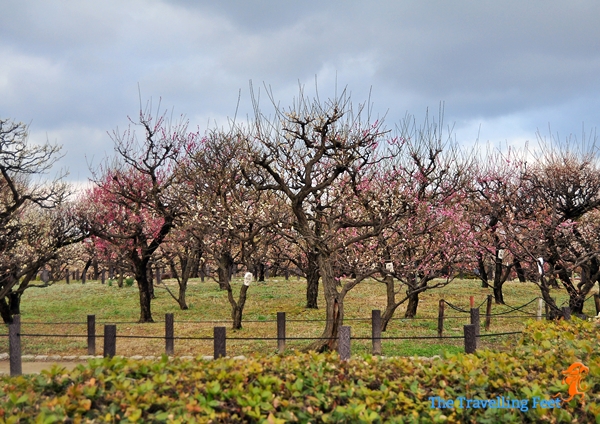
470,338
376,331
83,276
169,334
158,275
597,303
344,342
475,321
280,331
566,313
488,312
472,301
110,340
220,348
103,276
67,276
14,346
540,307
441,318
91,334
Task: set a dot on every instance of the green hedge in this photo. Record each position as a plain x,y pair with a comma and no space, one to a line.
320,388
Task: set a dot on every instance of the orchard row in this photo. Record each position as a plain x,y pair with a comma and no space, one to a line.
320,190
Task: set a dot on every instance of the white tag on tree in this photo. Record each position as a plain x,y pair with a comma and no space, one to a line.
540,265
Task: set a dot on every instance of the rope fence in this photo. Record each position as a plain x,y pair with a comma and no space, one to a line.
471,331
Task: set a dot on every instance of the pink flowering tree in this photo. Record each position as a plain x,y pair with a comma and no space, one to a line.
135,204
112,257
562,220
494,199
427,242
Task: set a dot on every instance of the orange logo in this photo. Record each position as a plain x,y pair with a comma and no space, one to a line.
572,377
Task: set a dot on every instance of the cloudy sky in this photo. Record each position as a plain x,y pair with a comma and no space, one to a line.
503,69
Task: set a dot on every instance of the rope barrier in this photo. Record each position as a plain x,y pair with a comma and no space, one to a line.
518,308
52,323
409,338
85,322
498,315
50,335
124,336
512,309
501,334
515,316
456,308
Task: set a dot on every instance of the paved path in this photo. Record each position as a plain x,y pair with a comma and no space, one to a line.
36,367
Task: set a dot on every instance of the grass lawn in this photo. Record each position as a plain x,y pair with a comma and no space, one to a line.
63,309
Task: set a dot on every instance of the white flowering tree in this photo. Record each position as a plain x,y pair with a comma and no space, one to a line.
313,155
35,218
228,215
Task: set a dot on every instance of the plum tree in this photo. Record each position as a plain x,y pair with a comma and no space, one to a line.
134,204
36,220
312,154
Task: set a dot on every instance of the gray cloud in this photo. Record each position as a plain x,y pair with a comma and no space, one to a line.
511,67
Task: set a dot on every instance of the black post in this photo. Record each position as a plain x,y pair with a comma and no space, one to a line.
158,275
14,346
488,312
376,331
220,342
566,313
67,275
441,318
280,331
470,338
344,342
110,341
169,334
91,334
103,276
475,321
83,276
